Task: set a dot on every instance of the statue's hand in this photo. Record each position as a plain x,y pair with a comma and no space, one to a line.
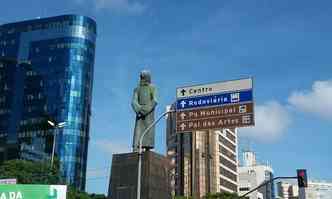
140,116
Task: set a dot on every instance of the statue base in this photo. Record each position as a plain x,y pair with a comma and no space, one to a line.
154,181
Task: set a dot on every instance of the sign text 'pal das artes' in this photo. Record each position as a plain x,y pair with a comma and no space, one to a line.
214,106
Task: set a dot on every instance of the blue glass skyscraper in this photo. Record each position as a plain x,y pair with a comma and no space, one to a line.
47,72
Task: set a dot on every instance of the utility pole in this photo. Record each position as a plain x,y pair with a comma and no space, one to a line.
301,192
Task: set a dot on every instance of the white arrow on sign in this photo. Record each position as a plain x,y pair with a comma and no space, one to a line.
183,103
182,126
183,115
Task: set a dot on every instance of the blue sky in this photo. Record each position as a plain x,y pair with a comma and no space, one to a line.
285,45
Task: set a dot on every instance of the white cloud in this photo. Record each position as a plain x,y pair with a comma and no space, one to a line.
121,6
317,101
131,7
271,121
111,147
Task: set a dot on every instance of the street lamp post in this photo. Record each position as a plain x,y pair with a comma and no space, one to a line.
140,151
56,126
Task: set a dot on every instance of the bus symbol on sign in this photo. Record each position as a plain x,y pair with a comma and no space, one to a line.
235,97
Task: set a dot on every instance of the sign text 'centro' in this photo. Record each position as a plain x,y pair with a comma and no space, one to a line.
213,88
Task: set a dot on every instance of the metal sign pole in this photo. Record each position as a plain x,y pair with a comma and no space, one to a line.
53,147
140,151
302,193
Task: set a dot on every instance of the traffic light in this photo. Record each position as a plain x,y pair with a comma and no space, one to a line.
302,179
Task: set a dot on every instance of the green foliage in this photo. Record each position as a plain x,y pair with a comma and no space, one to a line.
182,197
222,196
74,194
27,172
214,196
98,196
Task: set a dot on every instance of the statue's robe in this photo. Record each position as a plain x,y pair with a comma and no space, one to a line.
144,102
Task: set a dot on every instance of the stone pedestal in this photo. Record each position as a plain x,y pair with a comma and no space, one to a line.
154,181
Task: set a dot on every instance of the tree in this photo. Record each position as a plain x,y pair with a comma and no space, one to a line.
98,196
223,195
72,193
27,172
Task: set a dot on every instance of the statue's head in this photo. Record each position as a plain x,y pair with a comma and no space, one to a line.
145,77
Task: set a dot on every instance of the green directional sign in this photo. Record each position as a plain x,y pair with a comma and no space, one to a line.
33,191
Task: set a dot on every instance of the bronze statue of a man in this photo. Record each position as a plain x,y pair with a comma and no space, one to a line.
144,103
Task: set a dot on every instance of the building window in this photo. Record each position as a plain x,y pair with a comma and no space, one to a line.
228,185
11,31
227,174
4,111
228,144
227,163
244,189
267,175
231,136
6,87
227,153
220,138
30,97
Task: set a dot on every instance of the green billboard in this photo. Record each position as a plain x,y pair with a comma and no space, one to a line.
20,191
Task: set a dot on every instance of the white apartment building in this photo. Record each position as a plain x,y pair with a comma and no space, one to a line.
319,190
315,190
251,175
287,190
204,161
